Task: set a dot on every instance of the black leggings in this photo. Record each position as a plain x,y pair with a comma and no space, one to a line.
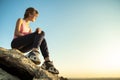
30,41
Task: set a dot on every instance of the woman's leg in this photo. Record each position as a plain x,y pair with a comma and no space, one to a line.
44,50
36,41
47,65
24,43
34,54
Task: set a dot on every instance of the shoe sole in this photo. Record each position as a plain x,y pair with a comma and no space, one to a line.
36,62
49,70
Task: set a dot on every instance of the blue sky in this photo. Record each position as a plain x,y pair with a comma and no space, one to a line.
83,35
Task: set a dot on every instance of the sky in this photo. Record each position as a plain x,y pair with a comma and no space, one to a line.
83,36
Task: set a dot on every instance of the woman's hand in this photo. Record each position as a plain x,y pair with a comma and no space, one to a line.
38,30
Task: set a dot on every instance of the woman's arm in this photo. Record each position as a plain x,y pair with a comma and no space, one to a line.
30,30
38,30
18,26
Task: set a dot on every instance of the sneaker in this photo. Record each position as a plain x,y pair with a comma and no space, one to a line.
48,65
34,56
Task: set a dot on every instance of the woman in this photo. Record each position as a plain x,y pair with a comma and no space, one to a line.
27,41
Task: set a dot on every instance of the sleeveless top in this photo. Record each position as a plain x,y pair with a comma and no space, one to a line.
23,29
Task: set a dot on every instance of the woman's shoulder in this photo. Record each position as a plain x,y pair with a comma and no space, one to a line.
20,20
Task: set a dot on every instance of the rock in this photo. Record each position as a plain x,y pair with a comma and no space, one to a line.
15,66
6,76
62,78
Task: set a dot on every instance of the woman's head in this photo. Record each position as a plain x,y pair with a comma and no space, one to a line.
31,14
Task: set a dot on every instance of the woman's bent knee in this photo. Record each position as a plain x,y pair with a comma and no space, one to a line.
43,33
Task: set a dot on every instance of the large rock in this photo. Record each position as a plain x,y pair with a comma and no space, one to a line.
15,66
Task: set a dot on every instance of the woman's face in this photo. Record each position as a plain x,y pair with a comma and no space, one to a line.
33,17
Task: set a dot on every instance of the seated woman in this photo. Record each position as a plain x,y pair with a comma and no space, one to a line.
27,41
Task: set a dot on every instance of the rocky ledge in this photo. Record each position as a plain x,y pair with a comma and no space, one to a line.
15,66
